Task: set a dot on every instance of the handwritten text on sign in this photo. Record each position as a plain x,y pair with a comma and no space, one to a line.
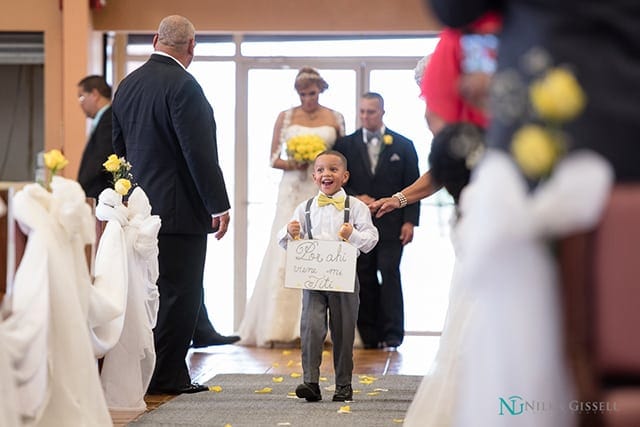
321,265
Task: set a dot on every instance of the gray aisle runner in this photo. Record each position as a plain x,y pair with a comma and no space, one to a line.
265,400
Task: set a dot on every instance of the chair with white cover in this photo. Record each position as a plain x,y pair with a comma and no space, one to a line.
127,368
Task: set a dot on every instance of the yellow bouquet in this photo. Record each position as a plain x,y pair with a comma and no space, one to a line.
305,148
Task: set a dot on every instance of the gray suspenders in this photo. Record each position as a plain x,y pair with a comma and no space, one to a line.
307,214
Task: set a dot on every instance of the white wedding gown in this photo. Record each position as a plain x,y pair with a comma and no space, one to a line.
273,312
503,333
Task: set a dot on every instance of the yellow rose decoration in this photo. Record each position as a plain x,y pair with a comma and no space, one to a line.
120,170
122,186
558,96
387,139
112,164
535,150
54,160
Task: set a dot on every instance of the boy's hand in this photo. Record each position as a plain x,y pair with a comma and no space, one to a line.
345,231
294,229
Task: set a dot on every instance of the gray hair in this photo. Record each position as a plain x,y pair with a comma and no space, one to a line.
420,68
175,31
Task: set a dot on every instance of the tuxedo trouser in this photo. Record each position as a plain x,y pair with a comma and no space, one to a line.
181,261
343,314
381,315
204,328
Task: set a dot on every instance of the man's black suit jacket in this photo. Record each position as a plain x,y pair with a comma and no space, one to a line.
92,176
164,125
397,168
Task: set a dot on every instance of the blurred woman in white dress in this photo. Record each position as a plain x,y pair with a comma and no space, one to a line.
272,316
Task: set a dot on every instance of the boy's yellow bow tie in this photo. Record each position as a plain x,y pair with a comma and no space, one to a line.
324,200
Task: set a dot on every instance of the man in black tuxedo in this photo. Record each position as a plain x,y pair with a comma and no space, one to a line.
381,162
94,96
164,125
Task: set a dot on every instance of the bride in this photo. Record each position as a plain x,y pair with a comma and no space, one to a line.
273,313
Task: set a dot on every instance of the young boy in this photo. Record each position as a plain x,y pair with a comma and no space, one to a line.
328,221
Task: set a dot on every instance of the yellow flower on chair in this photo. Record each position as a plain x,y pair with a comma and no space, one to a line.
120,170
557,96
55,161
112,164
122,186
535,150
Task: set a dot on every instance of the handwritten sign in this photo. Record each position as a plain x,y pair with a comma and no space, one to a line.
321,265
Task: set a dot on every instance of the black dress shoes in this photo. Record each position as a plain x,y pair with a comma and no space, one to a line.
189,389
309,391
344,393
390,345
214,339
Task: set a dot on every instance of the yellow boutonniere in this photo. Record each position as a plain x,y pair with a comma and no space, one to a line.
387,139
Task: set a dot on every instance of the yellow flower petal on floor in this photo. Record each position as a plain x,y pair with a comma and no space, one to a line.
292,394
290,363
344,409
380,389
357,391
277,379
228,425
295,375
366,379
373,393
286,352
264,390
398,420
323,379
215,388
275,364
